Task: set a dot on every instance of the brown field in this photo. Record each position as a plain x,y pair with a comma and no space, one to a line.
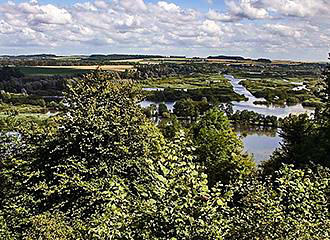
286,62
119,68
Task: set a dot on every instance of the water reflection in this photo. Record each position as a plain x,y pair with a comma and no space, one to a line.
260,142
145,103
272,110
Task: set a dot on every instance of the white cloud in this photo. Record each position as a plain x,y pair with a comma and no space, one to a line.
167,28
132,6
217,16
298,8
170,7
211,27
246,9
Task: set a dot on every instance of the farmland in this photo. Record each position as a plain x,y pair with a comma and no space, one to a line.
40,81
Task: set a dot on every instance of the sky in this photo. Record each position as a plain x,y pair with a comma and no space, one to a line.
276,29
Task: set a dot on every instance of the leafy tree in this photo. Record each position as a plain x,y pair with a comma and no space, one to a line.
306,141
162,109
292,206
185,108
219,149
170,126
69,168
104,171
203,106
171,201
6,73
300,137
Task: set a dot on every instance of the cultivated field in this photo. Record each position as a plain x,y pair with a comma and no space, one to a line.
93,67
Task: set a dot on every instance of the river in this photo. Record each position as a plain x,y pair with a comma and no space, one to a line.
258,142
272,110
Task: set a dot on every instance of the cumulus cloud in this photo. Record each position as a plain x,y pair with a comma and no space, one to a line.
297,8
238,10
266,9
246,9
255,26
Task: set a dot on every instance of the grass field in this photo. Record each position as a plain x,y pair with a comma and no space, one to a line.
283,90
13,117
191,82
23,108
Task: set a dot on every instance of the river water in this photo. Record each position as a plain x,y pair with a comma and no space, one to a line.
258,142
272,110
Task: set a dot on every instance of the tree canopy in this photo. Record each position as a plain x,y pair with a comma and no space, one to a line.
102,170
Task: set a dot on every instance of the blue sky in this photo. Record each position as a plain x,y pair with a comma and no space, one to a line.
277,29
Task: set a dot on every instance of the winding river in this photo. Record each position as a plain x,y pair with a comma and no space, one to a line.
258,142
272,110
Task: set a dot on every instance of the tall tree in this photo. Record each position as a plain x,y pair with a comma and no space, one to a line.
69,168
219,149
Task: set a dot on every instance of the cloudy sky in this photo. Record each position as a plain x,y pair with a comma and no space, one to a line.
278,29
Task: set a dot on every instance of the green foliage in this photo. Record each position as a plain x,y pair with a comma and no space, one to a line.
44,71
252,118
170,200
51,226
105,171
185,108
20,99
189,108
6,73
305,143
162,109
169,126
197,94
4,231
219,149
69,168
292,206
102,170
14,122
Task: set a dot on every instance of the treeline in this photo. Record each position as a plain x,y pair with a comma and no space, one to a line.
53,60
7,73
281,71
246,117
188,109
149,71
222,57
104,171
121,57
239,58
214,94
41,86
14,81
